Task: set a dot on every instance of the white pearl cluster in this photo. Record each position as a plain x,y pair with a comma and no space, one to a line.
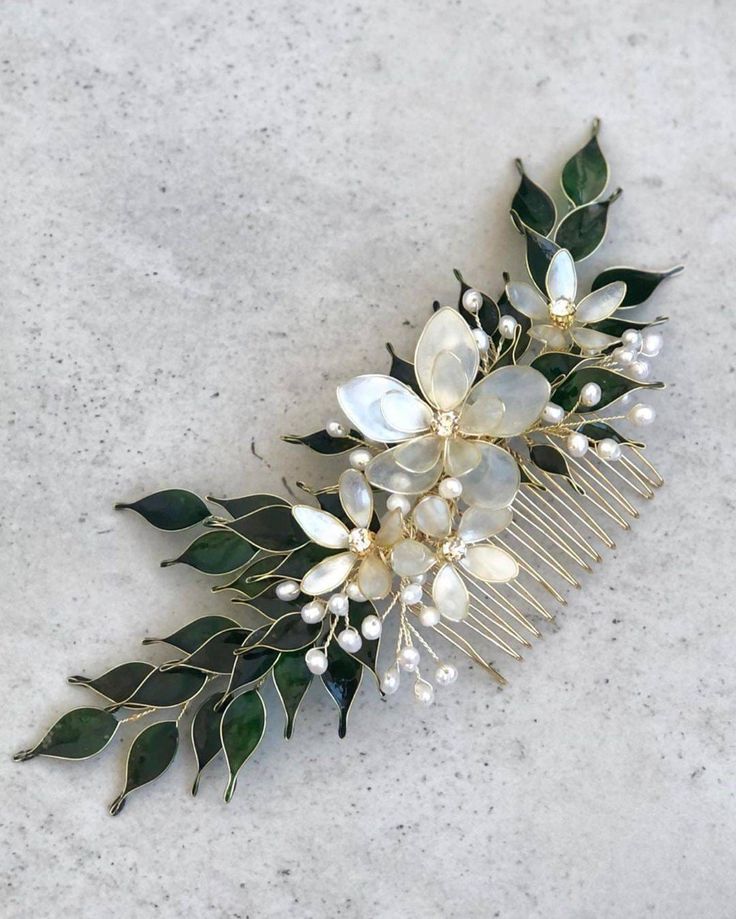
635,347
349,639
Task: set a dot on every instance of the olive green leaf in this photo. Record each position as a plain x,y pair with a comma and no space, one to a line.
599,430
550,459
640,284
585,174
206,739
165,688
273,529
217,552
173,509
288,633
241,730
539,252
150,755
299,562
556,364
119,683
239,507
583,229
292,678
613,385
195,634
324,443
532,203
342,680
617,327
79,734
215,655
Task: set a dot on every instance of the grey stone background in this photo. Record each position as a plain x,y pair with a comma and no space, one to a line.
212,213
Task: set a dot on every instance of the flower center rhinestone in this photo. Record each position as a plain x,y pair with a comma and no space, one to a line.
444,424
453,549
360,540
562,312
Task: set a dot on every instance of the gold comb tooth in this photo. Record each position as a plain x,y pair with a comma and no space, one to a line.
568,501
570,532
515,613
515,531
532,572
552,535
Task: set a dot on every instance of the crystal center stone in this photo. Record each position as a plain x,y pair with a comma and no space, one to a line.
562,313
453,549
444,424
360,540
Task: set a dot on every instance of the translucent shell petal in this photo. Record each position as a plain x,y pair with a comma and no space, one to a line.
479,523
360,399
385,473
461,456
321,527
446,330
591,340
328,574
526,300
495,480
374,577
432,516
450,383
489,563
410,558
420,454
551,336
356,497
482,416
523,391
562,279
403,410
601,303
391,530
450,594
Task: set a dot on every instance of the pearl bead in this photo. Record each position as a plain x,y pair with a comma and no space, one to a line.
354,592
429,616
445,674
641,414
371,627
316,661
314,611
608,449
640,370
287,590
632,338
652,342
626,399
424,692
552,413
411,594
390,681
450,488
335,429
349,640
338,604
577,444
473,301
418,578
399,503
482,340
624,356
359,458
507,326
590,394
408,659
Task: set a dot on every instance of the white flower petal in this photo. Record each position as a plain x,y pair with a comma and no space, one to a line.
392,529
461,456
360,399
489,563
552,336
328,574
482,415
374,577
356,497
321,527
403,410
450,594
601,303
385,473
523,391
420,454
562,279
590,340
432,516
527,300
410,558
495,480
479,523
450,383
446,330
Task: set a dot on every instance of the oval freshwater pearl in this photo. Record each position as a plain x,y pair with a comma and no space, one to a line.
450,488
371,627
314,611
390,680
287,590
338,604
577,444
445,674
359,458
608,449
316,661
355,593
641,414
624,356
411,594
482,340
553,413
429,616
507,326
590,394
408,659
399,503
632,339
640,370
424,692
349,640
652,342
335,429
473,301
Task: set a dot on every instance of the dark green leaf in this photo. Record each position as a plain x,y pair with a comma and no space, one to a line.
271,607
173,509
330,501
119,683
613,385
582,230
341,680
290,633
585,174
299,562
206,739
617,327
195,634
556,364
250,667
550,459
166,688
403,371
254,580
292,679
150,755
640,285
598,430
533,205
539,252
324,443
239,507
487,315
217,552
216,654
78,734
271,528
242,727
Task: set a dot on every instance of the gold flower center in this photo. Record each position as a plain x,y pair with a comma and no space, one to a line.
360,540
444,424
562,313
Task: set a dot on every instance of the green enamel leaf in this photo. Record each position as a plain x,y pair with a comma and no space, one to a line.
403,370
242,728
640,285
217,552
488,314
250,667
533,205
617,327
613,385
206,739
324,443
539,252
299,562
79,734
290,633
342,680
239,507
549,459
195,634
254,580
598,430
556,364
583,229
119,683
216,654
585,175
273,529
166,688
150,755
292,679
173,509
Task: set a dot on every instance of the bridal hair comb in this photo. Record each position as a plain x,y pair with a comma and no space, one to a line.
481,478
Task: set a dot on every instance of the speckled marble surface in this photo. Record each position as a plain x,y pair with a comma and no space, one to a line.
212,213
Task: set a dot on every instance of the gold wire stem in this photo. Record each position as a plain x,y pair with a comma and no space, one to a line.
463,645
514,531
568,501
570,530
